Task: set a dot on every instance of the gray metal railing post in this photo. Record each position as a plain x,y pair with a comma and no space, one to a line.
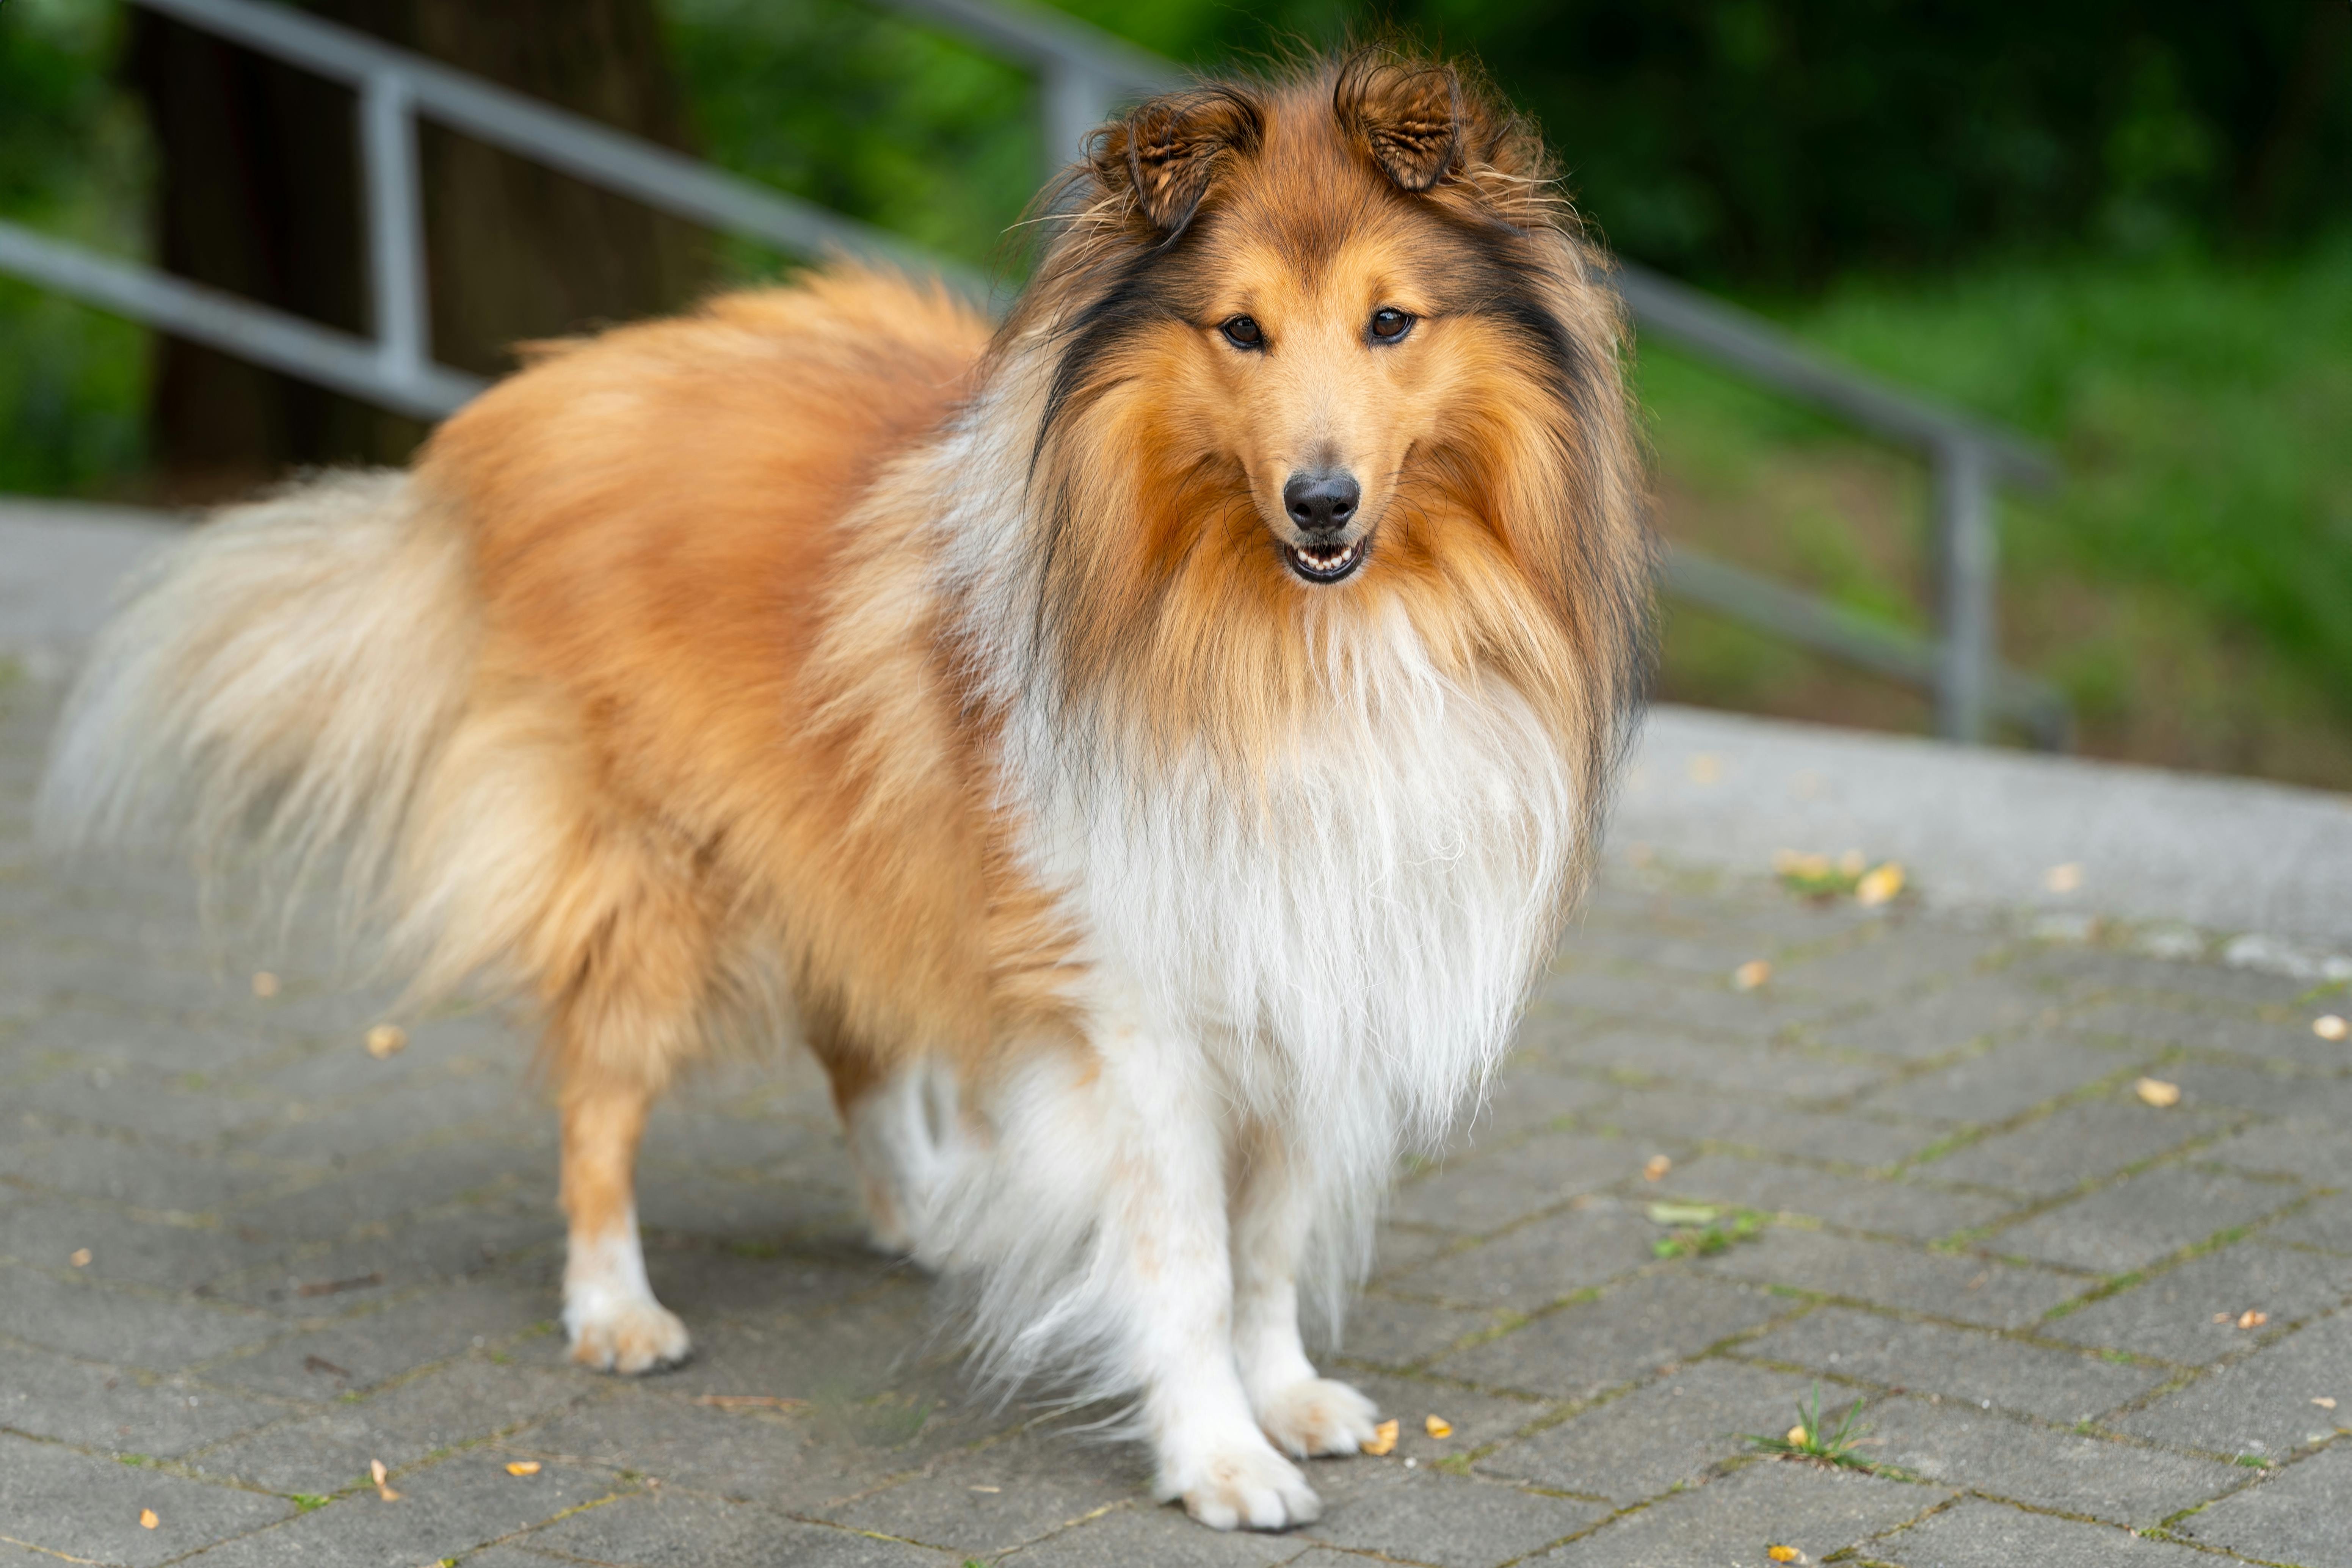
404,329
1967,552
1077,99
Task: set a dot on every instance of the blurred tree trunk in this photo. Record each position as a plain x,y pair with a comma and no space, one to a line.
258,191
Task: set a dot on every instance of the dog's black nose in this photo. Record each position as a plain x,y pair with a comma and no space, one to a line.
1321,503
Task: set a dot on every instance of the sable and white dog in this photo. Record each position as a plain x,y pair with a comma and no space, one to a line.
1152,747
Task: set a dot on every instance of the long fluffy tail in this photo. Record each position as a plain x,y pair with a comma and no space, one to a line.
284,679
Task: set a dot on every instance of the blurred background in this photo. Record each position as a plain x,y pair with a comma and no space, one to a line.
2122,229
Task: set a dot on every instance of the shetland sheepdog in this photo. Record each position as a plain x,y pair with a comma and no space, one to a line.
1147,748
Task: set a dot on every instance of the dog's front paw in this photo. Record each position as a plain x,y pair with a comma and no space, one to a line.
1240,1483
1318,1415
628,1334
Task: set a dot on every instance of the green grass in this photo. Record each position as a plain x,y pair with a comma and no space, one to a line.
1812,1438
2185,583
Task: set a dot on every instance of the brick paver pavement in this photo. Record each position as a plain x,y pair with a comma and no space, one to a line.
241,1258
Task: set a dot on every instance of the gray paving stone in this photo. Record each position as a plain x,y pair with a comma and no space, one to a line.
2148,1216
1005,1495
2267,1089
44,1232
1816,1508
1944,1020
2171,1315
1785,1070
2024,1461
467,1402
663,1527
2326,1221
102,1322
127,1171
1533,1093
1628,1332
2298,1516
1909,1207
798,1460
87,1510
1667,1433
118,1410
2057,1385
2260,1405
2287,1040
1165,1538
2067,1148
1974,1534
1387,1331
1887,957
2317,1152
1971,1289
1687,1116
1664,999
445,1509
1485,1190
1539,1262
1423,1515
2005,1081
2162,980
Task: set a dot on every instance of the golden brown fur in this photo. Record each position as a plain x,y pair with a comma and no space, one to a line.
824,640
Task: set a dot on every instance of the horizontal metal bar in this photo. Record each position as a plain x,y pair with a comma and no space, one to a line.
1772,608
339,360
657,176
1044,40
1748,343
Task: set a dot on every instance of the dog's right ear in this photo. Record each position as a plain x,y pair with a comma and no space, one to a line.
1167,150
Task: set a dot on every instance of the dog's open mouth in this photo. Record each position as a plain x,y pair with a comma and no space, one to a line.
1325,563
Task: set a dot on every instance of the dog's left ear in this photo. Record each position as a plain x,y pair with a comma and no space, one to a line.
1410,117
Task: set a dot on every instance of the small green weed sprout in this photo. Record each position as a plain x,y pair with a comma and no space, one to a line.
1810,1439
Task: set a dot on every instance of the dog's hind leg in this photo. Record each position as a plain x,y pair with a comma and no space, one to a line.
1303,1414
629,1016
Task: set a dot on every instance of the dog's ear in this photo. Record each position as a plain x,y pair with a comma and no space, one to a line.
1410,117
1169,149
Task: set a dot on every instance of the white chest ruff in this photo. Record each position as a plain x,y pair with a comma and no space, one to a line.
1354,941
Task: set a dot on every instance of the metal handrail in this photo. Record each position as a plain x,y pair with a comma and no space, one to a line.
1085,75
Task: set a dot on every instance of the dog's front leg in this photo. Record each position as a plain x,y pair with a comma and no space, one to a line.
1163,1228
1273,1211
609,1310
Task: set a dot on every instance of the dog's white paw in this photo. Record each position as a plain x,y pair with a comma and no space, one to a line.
1240,1483
1318,1415
628,1334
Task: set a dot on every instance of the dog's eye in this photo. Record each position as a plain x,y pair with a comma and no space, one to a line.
1242,334
1389,324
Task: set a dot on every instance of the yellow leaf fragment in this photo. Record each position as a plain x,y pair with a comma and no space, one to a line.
523,1467
147,1520
1437,1425
2325,1403
1385,1439
2329,1026
1878,884
2221,1317
377,1471
385,1039
265,984
1750,974
2062,879
2249,1318
80,1259
1655,1167
1796,1437
2157,1093
1784,1555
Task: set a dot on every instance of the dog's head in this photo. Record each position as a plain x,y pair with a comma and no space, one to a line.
1319,347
